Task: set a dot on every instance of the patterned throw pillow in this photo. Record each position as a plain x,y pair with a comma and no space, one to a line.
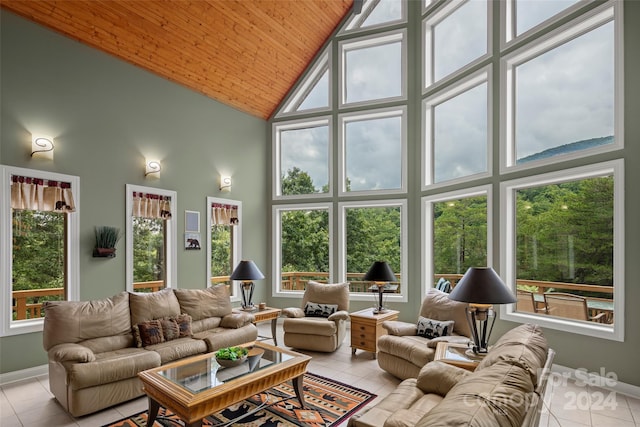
184,324
313,309
430,328
170,328
148,333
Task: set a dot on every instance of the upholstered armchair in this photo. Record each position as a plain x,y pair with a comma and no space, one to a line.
321,322
407,347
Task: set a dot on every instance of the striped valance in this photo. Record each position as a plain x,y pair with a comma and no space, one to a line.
39,194
147,205
222,214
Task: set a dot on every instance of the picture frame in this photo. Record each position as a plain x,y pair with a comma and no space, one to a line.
192,241
191,221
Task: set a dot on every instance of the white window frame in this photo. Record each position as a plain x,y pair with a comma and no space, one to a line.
277,129
433,19
276,267
236,230
366,42
428,232
72,249
508,189
608,12
343,120
171,241
404,245
354,22
485,75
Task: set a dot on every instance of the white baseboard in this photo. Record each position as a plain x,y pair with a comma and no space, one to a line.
24,374
596,379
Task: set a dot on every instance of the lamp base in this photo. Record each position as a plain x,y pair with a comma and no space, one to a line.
249,308
473,355
380,310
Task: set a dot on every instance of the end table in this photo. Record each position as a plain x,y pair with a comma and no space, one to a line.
366,328
457,355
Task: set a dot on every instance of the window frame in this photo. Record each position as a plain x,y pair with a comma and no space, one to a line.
72,249
595,18
381,113
427,227
404,246
428,104
171,235
236,255
276,259
615,168
352,25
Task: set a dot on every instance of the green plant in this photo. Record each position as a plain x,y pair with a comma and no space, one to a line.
107,237
231,353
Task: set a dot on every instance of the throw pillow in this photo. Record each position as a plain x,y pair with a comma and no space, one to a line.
312,309
430,328
148,333
170,328
184,325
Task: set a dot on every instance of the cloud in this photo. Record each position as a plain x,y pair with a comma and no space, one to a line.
307,149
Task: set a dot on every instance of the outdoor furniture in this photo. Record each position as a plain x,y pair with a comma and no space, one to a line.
527,302
570,306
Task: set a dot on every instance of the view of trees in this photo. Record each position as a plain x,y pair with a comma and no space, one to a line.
221,250
148,249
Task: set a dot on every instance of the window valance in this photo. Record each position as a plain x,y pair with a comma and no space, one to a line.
41,194
222,214
147,205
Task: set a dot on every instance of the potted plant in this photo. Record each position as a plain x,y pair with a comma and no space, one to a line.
231,356
106,239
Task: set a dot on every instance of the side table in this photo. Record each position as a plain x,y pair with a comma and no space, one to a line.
266,314
366,328
457,355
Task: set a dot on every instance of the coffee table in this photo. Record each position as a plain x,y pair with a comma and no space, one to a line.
198,386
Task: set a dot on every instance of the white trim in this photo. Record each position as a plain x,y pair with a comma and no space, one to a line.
382,113
366,42
276,258
171,277
404,245
276,155
72,273
507,248
597,379
236,256
485,75
427,227
23,374
350,26
608,12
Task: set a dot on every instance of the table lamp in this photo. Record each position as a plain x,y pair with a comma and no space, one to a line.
481,287
379,273
246,272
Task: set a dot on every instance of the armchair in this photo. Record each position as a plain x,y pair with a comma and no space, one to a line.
321,322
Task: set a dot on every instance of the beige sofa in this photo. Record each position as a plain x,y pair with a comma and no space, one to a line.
96,348
506,389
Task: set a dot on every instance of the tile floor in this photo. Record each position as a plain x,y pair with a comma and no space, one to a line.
29,402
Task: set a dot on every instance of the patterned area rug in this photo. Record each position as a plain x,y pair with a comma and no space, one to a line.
327,402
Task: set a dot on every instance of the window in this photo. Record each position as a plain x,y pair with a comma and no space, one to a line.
302,152
457,125
524,15
457,234
373,231
151,238
302,248
40,233
373,151
561,94
313,94
373,69
224,242
376,13
563,234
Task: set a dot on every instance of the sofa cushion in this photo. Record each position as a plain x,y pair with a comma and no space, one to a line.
202,303
110,343
430,328
414,349
223,337
75,321
178,349
310,326
148,333
323,293
439,377
438,306
314,309
153,305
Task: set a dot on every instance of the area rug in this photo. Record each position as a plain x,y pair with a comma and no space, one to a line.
327,403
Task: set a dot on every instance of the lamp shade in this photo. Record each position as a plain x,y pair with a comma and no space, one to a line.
380,272
482,285
246,270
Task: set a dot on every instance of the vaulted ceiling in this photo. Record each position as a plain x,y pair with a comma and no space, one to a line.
244,53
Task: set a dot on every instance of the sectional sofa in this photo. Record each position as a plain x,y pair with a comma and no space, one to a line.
96,348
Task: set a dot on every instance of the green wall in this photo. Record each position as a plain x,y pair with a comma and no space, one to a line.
106,116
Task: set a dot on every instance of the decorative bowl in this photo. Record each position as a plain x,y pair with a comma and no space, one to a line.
230,363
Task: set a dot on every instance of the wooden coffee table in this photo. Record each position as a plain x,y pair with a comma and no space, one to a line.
198,386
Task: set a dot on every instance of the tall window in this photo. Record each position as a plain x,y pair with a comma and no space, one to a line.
151,238
224,244
40,232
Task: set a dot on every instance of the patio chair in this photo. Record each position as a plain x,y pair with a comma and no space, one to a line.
570,306
527,302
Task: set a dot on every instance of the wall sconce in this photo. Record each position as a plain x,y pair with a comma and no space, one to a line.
225,183
152,167
42,146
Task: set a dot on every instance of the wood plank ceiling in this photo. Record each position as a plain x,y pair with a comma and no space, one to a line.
244,53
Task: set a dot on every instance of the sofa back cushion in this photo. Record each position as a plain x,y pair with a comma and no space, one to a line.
147,306
438,306
202,303
332,293
75,321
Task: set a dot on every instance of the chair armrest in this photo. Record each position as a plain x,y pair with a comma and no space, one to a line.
339,315
293,312
398,328
439,377
456,339
237,319
69,352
